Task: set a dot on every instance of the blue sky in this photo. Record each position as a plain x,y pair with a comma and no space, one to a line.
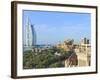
55,27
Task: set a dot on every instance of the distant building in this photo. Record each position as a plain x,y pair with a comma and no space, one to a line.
29,35
66,45
39,48
33,35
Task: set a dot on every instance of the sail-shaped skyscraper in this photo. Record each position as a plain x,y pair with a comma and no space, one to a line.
29,35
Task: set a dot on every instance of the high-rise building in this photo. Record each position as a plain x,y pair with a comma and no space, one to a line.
29,35
33,35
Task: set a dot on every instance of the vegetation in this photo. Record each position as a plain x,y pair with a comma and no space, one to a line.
45,59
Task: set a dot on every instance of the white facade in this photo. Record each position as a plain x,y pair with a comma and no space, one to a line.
27,34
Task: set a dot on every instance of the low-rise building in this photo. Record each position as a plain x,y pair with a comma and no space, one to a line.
66,45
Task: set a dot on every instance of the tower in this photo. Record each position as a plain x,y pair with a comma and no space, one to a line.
29,35
33,36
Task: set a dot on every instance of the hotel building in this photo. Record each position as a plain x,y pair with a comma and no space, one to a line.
29,38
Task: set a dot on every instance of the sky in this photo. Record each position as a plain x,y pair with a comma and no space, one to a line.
54,27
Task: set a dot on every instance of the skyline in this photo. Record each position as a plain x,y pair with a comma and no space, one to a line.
53,27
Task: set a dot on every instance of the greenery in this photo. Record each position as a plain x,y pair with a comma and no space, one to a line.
45,59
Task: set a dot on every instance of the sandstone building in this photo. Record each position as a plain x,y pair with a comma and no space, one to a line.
81,55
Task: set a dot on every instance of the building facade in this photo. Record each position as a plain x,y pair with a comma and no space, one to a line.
83,51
